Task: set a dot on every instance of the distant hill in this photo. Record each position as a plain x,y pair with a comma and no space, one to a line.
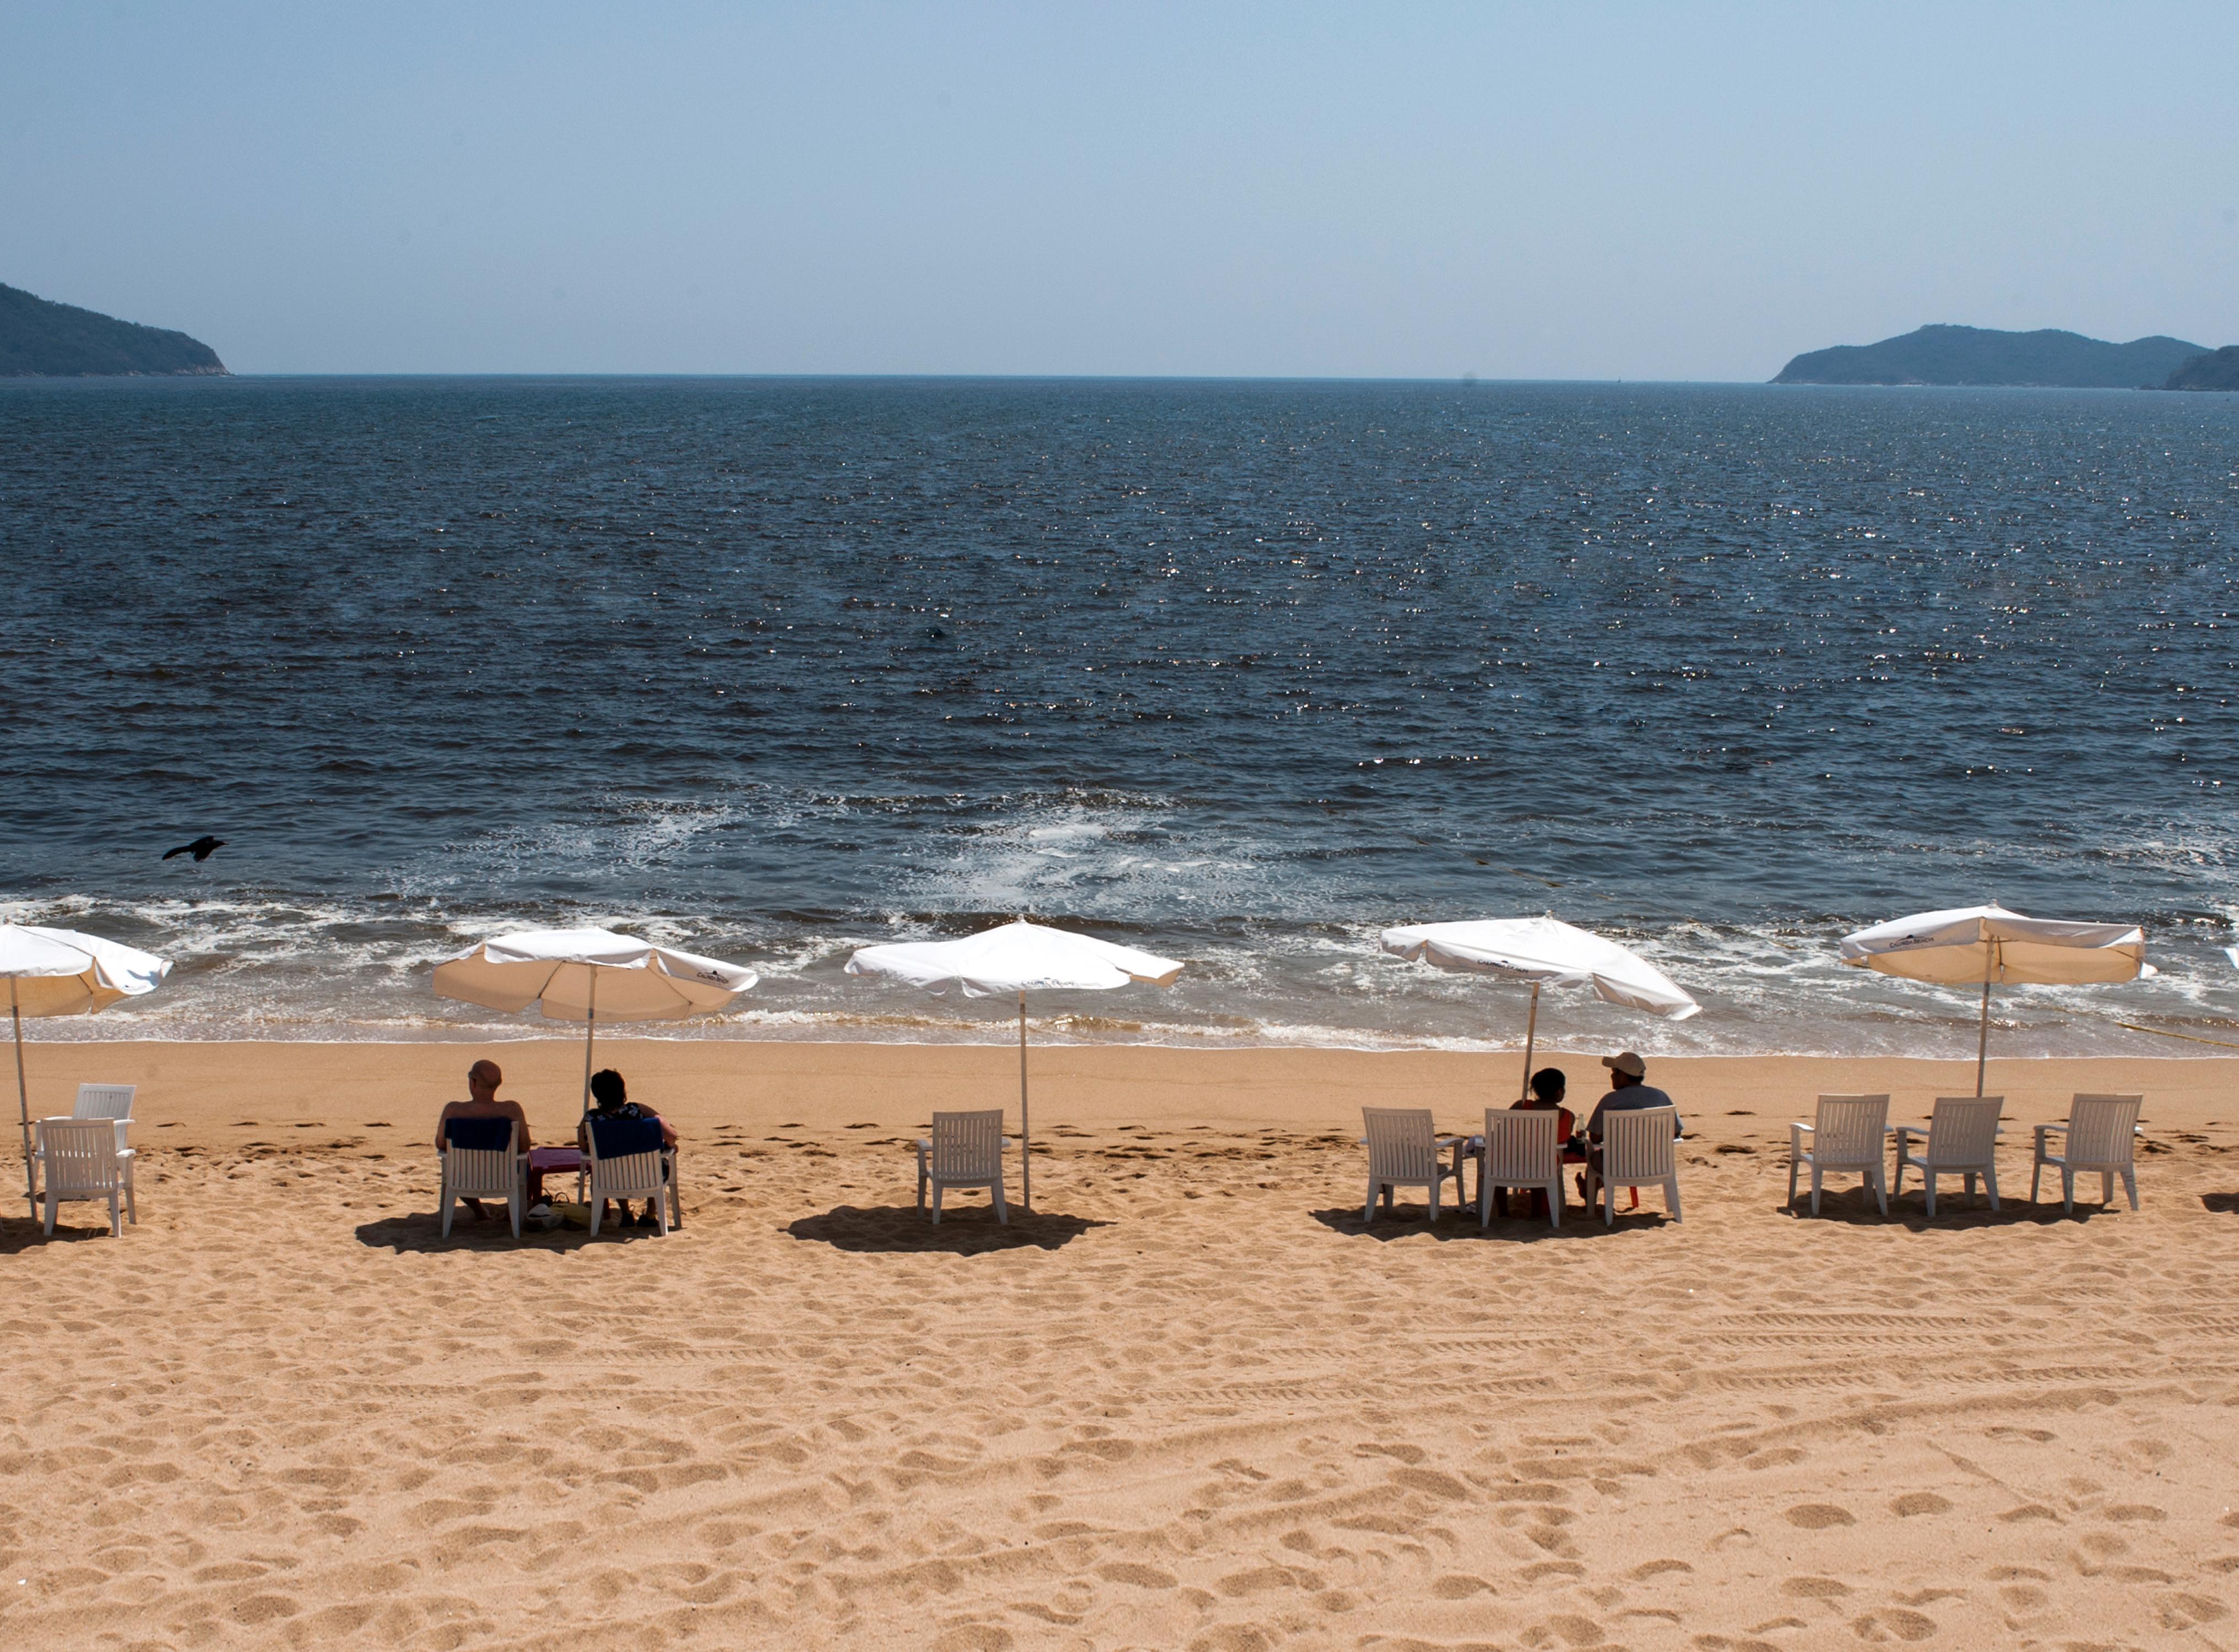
2210,370
43,340
1980,355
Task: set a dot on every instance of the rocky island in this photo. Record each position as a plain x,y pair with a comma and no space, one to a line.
2210,370
1982,355
40,339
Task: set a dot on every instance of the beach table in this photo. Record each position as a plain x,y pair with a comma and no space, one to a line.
558,1161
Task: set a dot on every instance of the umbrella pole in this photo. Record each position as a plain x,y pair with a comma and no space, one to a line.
1025,1120
23,1099
590,1031
1982,1039
1530,1031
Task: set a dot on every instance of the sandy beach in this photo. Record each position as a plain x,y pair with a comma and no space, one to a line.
1190,1401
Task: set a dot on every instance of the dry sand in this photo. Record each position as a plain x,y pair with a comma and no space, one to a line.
1191,1402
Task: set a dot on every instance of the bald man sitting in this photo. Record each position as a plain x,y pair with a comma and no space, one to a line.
482,1080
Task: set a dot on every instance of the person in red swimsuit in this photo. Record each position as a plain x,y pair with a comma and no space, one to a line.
1548,1088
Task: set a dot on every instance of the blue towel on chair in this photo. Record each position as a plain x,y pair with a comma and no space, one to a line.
479,1135
621,1138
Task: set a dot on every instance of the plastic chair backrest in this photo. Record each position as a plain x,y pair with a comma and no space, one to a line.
623,1137
2102,1130
1520,1145
479,1157
1402,1143
969,1145
1963,1130
1639,1145
1848,1129
103,1101
80,1155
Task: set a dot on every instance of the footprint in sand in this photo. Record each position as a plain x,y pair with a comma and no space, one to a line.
2183,1611
1815,1589
1818,1516
1134,1573
1893,1623
1921,1502
1565,1629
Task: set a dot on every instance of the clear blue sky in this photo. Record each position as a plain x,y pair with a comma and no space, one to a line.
1413,190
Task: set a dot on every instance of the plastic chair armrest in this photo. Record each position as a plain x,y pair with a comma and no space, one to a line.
1797,1124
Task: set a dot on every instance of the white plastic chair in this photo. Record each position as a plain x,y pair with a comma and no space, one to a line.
79,1159
112,1102
2102,1135
483,1160
1520,1150
1963,1140
1403,1152
108,1101
966,1150
640,1167
1847,1140
1640,1148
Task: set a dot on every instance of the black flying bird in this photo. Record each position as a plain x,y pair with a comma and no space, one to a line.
201,848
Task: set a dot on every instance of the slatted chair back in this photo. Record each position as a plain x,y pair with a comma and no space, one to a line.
967,1147
1639,1146
104,1101
2103,1132
1403,1145
1963,1132
1848,1132
1521,1146
625,1158
79,1158
479,1157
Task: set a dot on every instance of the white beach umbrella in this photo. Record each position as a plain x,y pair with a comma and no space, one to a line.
581,974
59,971
1017,957
1545,951
1965,945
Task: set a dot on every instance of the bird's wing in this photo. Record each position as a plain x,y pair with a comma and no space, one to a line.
181,850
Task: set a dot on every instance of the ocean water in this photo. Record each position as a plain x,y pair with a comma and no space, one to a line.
1238,672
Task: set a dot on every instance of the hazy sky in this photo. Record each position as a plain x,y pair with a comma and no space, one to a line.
1379,188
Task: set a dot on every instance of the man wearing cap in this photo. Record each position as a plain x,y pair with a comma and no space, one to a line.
1627,1094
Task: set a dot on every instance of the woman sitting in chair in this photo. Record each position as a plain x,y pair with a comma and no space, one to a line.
610,1099
1548,1087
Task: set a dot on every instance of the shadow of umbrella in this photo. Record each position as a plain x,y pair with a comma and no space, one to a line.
903,1229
